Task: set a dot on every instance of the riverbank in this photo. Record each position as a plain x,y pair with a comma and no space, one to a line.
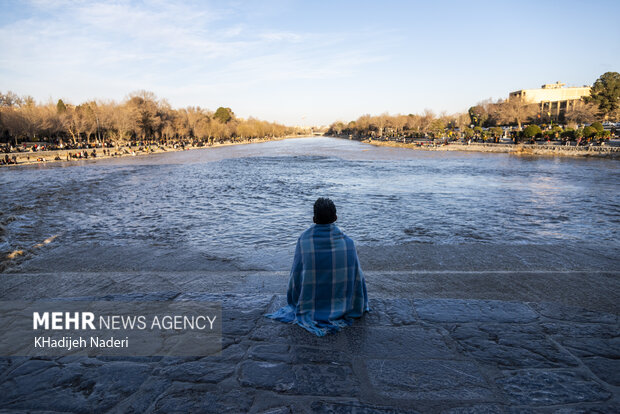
46,157
520,149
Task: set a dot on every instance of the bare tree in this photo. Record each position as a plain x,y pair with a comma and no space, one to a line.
426,120
399,122
72,122
51,124
144,109
14,123
140,115
124,123
515,111
32,117
582,113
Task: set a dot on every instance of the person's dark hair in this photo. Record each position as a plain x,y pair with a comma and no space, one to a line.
324,211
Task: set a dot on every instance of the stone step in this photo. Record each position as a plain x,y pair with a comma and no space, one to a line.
596,290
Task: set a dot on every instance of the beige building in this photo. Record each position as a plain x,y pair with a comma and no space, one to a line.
553,98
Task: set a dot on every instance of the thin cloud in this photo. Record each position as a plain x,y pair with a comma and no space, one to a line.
282,36
287,57
83,35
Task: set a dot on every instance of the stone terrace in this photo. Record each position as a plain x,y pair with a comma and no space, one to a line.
424,355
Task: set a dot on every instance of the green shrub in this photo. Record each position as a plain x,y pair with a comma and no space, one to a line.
598,126
578,133
531,131
589,132
497,131
568,133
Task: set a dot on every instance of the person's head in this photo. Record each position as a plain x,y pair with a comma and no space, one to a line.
324,211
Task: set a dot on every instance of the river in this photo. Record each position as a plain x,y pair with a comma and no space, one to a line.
242,207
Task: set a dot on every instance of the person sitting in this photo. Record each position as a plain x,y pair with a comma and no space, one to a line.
326,289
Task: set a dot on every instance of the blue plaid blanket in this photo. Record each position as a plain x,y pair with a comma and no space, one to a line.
326,289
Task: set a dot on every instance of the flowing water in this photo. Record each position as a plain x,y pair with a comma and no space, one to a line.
242,207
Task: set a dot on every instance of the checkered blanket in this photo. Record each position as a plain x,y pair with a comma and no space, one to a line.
326,289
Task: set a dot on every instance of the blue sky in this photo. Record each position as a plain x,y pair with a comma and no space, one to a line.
304,62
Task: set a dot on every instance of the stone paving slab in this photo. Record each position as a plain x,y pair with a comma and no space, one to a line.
534,388
511,346
406,356
463,310
442,380
404,343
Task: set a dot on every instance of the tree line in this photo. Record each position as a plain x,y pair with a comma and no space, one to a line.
485,119
140,117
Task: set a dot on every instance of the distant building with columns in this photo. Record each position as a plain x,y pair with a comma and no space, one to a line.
553,98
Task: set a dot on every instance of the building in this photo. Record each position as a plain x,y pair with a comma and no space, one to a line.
553,99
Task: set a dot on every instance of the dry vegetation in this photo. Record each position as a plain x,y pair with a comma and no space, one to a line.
142,116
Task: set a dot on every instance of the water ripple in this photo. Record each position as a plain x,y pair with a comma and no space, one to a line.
227,201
